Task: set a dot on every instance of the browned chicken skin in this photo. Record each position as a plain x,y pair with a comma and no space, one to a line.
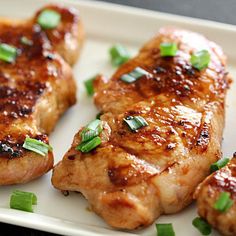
35,90
208,192
134,177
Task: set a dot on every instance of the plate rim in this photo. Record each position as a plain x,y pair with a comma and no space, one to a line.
9,217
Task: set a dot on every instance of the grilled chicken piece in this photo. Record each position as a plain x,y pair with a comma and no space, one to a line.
134,177
35,90
208,192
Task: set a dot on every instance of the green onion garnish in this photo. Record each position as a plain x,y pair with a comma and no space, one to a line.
8,53
87,135
90,145
165,230
119,55
92,130
49,19
134,75
24,201
219,164
200,59
95,125
36,146
26,41
135,122
168,49
89,86
202,226
224,202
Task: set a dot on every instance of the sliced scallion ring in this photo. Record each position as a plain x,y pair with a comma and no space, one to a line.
200,59
92,130
90,145
23,201
49,19
135,122
118,55
168,49
202,226
24,40
36,146
219,164
165,230
134,75
224,202
8,53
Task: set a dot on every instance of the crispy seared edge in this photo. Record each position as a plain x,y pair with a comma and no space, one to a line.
17,164
103,175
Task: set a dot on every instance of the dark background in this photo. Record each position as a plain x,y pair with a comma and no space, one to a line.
217,10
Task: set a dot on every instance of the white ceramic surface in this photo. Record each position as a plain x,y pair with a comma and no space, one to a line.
105,25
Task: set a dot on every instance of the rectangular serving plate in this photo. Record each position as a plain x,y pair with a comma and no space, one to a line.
106,24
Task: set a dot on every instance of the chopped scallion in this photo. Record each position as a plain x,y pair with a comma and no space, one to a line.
49,19
219,164
200,59
165,230
90,145
24,201
36,146
118,55
87,135
8,53
92,130
89,86
128,78
168,49
135,122
202,226
26,41
95,125
224,202
134,75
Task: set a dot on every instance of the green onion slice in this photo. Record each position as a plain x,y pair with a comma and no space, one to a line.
135,122
36,146
95,125
134,75
49,19
219,164
8,53
87,135
119,55
200,59
92,130
202,226
168,49
90,145
165,230
24,201
89,86
26,41
224,202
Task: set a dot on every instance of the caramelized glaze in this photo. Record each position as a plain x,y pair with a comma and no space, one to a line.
35,90
134,177
208,192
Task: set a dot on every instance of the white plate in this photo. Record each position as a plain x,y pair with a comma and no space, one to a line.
105,25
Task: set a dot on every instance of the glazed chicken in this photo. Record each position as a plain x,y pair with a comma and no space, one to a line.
134,177
35,89
208,192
